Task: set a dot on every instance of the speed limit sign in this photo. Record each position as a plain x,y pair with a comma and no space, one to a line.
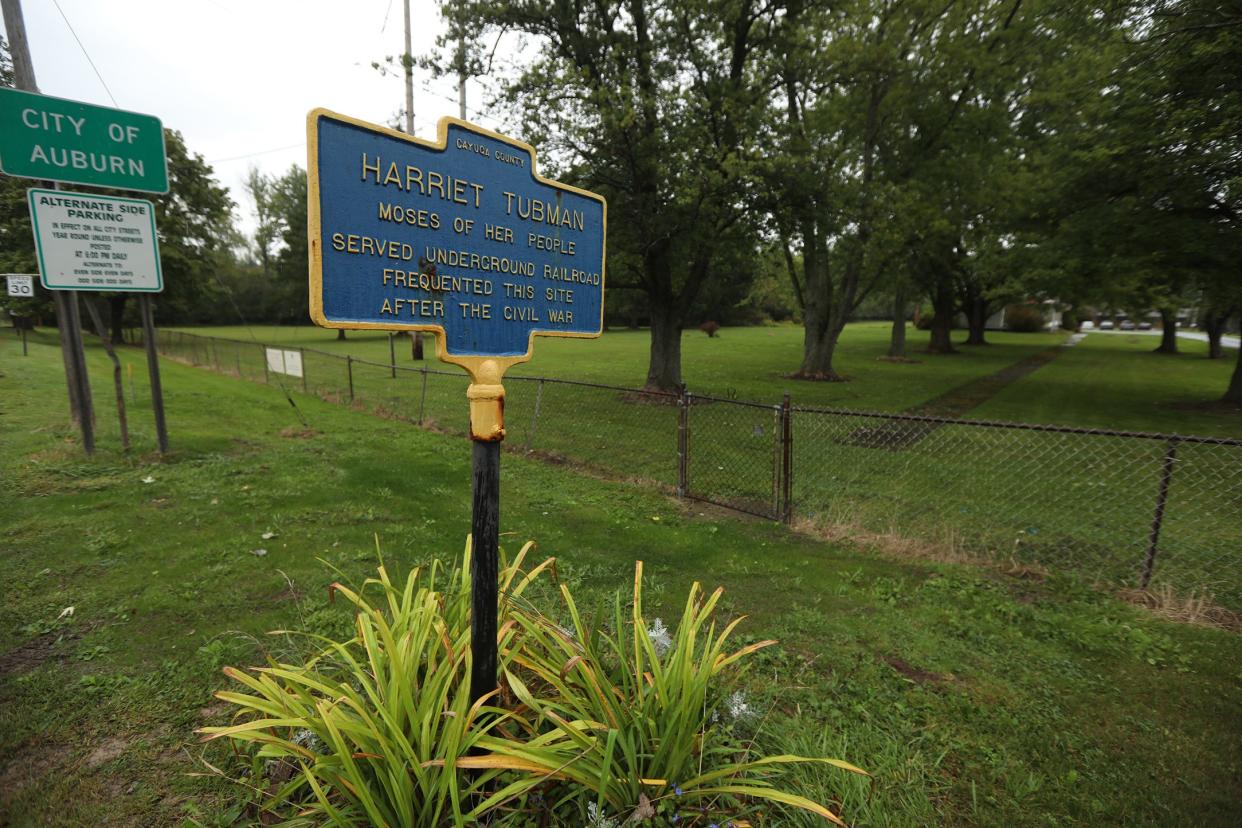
20,284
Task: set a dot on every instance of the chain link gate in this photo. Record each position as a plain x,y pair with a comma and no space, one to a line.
735,454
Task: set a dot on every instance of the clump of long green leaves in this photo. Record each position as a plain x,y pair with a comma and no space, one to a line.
374,730
635,720
597,721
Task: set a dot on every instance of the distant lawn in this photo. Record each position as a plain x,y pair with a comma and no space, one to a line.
1115,381
976,698
749,363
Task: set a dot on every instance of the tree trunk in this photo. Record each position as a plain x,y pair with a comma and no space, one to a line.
340,334
941,341
416,345
897,340
116,316
976,319
1168,332
1234,393
664,368
818,347
820,334
1214,324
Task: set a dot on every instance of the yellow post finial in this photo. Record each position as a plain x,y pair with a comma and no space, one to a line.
487,402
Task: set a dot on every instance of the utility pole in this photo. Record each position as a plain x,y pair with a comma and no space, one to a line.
68,321
407,60
461,78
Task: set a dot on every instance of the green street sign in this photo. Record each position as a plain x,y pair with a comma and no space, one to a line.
55,139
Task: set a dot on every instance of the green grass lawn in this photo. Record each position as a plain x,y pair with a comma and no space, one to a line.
1116,381
976,698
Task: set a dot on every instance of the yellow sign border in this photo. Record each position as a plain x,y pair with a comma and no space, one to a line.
484,369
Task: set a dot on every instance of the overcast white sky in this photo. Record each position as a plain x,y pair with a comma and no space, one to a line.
237,77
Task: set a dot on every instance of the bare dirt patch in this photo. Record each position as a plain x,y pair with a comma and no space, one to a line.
27,767
915,674
295,433
1208,407
106,751
36,651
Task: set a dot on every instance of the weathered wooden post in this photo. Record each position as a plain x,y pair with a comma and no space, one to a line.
508,256
153,371
118,381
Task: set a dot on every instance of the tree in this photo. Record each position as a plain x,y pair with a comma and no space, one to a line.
194,224
292,262
890,112
1141,180
649,102
268,227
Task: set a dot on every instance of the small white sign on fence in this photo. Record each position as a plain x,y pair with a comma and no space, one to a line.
284,362
293,363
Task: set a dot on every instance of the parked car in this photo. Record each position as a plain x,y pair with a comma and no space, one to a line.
1087,325
1106,325
1144,325
1126,325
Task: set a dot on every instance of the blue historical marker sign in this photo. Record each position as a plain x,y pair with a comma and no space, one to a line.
460,237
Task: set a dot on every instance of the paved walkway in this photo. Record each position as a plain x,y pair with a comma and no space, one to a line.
1227,341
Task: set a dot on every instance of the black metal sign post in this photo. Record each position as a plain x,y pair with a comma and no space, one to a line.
484,565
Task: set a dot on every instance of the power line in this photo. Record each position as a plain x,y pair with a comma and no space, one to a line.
254,154
86,53
469,110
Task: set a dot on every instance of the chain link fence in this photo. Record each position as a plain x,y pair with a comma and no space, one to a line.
1124,508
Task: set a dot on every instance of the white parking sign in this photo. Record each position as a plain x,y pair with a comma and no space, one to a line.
20,284
93,242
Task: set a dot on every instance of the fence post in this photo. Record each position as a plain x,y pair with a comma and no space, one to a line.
787,459
263,356
392,356
349,371
302,352
1162,497
778,442
534,420
237,360
683,441
422,397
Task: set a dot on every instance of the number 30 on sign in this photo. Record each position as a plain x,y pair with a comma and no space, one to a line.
20,284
